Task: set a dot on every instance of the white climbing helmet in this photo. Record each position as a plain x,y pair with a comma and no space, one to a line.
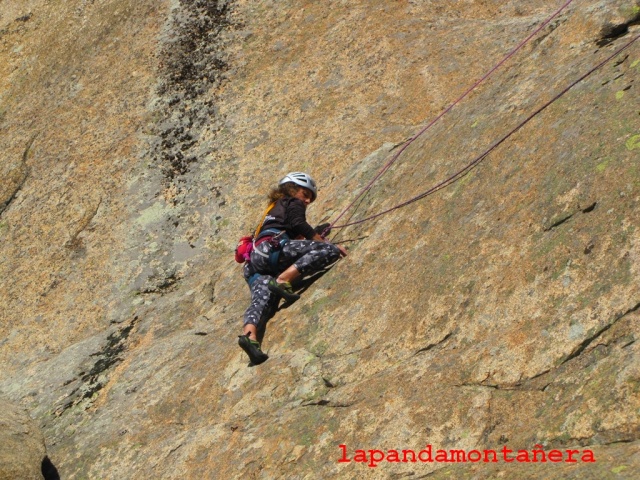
302,179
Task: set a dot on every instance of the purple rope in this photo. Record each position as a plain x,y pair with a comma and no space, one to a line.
462,97
459,174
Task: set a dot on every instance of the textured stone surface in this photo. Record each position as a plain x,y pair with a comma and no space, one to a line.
138,140
22,447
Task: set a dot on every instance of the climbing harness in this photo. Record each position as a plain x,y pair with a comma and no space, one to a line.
277,239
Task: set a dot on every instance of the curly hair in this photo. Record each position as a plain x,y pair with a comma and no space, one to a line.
288,189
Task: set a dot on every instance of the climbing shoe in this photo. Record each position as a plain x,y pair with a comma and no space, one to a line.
283,290
252,348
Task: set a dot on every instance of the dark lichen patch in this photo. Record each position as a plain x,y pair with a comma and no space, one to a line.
24,18
93,381
162,282
191,65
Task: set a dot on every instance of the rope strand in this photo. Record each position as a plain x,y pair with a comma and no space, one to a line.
464,171
448,109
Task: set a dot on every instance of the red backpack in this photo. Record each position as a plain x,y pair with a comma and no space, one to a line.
243,250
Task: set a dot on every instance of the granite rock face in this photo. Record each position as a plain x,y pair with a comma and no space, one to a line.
138,140
22,449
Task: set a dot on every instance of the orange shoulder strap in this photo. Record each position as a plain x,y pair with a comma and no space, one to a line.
269,208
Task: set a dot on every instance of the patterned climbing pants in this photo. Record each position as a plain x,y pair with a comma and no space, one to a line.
308,256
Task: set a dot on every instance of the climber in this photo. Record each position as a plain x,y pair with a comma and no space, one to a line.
285,247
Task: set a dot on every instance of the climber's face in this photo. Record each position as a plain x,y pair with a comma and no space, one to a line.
305,195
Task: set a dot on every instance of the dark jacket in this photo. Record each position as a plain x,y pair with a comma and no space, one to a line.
289,215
